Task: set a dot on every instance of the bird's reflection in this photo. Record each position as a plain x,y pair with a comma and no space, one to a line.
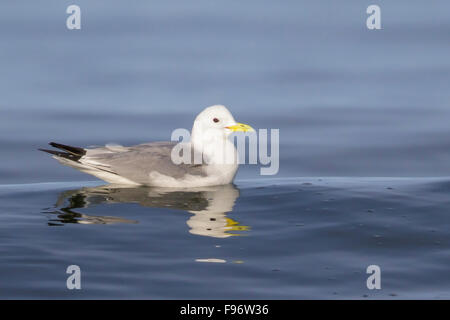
209,206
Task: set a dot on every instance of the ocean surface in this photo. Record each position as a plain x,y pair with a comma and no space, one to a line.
364,173
308,238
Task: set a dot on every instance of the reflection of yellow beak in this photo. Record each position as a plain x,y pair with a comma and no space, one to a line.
240,127
233,225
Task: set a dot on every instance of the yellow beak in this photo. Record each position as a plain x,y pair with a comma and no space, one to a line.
240,127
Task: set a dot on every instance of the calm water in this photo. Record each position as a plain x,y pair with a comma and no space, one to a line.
350,103
287,238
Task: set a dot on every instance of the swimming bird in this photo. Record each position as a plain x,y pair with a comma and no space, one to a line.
152,164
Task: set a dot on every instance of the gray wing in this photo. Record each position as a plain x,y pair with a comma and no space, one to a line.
136,162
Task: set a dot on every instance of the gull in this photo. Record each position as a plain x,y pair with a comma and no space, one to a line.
151,164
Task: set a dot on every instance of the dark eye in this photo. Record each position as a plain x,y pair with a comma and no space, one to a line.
216,120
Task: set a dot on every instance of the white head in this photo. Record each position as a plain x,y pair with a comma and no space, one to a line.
210,132
216,123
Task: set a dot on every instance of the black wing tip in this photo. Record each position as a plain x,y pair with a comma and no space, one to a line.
46,150
60,154
76,151
56,144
